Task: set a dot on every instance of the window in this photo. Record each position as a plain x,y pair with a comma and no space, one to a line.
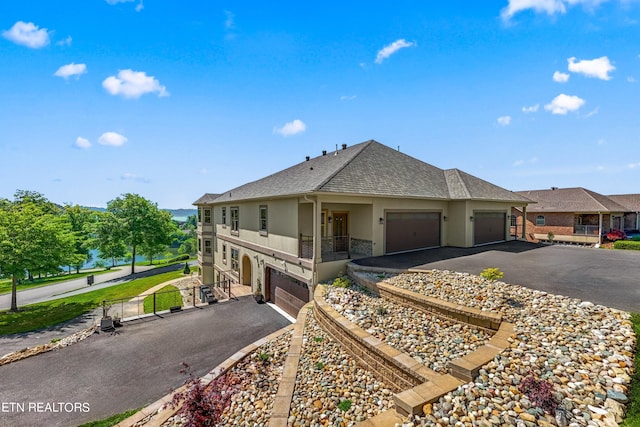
199,215
207,216
199,245
514,220
224,216
235,266
540,220
323,223
235,219
207,246
224,253
263,219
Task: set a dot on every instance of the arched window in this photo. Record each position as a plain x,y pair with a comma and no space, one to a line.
540,220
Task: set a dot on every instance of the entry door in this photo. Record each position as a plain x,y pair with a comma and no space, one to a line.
340,232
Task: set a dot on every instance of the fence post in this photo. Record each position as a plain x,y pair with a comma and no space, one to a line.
193,295
154,303
104,305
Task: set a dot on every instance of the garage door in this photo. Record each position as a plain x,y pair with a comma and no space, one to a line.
489,227
286,292
407,231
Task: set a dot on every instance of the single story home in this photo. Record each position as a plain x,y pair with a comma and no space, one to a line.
284,233
631,203
571,215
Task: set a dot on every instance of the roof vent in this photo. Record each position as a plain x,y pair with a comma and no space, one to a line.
324,152
307,158
344,146
554,188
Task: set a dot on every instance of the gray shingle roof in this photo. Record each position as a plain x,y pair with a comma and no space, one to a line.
370,168
570,200
206,199
630,201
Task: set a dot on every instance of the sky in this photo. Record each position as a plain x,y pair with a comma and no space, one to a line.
174,99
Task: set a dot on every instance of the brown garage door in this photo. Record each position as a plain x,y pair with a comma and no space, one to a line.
286,292
489,227
407,231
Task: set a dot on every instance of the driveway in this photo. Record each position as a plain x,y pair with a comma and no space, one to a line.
607,277
109,374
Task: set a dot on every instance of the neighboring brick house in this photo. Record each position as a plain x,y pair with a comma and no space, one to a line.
286,232
631,203
573,215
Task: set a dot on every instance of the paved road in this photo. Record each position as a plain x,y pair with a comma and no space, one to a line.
78,286
607,277
115,373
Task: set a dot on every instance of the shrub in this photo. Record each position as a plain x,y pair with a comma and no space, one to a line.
264,357
342,282
540,393
381,310
204,405
344,405
319,366
627,244
186,269
550,236
615,235
318,339
492,273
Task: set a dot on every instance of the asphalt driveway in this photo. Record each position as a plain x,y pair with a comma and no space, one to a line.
607,277
108,374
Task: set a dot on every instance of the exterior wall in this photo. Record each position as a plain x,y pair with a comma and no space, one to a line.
631,221
458,225
559,223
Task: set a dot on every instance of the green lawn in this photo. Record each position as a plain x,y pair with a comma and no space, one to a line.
42,315
112,420
5,284
167,297
633,410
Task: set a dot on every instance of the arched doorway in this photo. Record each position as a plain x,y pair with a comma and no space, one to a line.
246,270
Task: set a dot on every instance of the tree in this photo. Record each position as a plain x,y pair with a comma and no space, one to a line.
108,238
34,238
159,235
140,223
82,222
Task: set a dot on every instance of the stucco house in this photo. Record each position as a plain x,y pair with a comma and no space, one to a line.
284,233
573,215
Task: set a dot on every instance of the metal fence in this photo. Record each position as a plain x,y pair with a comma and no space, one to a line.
165,301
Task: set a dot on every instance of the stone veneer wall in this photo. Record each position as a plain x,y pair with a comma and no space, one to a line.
361,246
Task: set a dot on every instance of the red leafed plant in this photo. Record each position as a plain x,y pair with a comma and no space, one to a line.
540,392
614,235
203,405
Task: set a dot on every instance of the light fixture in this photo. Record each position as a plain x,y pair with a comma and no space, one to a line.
471,218
329,220
444,218
381,220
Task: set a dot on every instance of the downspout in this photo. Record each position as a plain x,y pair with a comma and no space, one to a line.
524,222
314,273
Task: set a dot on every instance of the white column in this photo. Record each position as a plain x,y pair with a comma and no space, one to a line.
599,227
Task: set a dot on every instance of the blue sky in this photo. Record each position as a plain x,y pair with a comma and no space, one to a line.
172,99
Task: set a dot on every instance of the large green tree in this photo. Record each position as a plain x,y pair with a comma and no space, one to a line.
34,238
140,223
160,234
108,238
82,222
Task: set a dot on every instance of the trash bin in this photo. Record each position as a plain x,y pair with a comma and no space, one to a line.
90,279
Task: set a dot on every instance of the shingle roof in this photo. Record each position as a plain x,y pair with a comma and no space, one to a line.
630,201
206,199
370,168
570,200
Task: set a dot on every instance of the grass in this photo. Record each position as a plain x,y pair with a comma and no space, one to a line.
5,285
167,297
41,315
633,409
112,420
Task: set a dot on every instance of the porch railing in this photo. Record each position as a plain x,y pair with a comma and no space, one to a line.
586,230
329,245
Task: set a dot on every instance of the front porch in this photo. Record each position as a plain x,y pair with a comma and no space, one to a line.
336,248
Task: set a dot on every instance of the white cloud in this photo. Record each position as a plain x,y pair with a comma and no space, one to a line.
561,77
204,171
82,142
631,79
347,97
601,141
65,42
112,139
229,23
598,68
291,128
27,34
392,48
133,84
550,7
139,6
633,165
69,70
112,2
504,120
562,104
591,113
128,176
530,109
521,162
518,163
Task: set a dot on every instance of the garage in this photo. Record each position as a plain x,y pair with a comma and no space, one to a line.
408,231
286,292
489,227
